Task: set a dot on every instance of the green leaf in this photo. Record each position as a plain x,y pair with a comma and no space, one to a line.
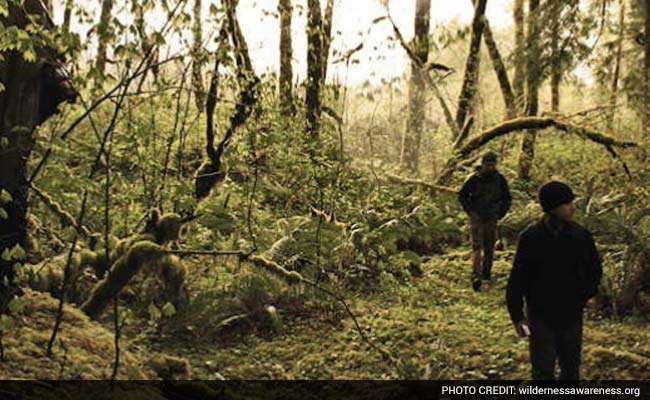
154,312
17,253
168,310
5,197
29,55
17,304
6,323
3,213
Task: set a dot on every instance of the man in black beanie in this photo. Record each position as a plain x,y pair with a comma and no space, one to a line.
486,199
556,268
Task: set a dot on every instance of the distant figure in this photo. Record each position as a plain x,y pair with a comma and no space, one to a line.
556,269
486,199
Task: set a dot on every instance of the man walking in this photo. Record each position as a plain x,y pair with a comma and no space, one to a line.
486,199
556,268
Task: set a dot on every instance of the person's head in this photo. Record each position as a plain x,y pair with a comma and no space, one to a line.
489,162
556,198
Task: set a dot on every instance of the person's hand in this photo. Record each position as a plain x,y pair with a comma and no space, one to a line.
522,329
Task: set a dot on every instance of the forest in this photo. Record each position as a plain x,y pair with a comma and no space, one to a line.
248,189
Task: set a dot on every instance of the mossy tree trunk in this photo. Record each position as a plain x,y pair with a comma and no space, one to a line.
327,37
532,82
285,84
556,56
501,72
616,73
518,79
314,70
410,151
472,64
646,69
197,57
103,34
31,93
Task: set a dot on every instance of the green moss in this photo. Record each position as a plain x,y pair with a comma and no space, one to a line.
89,346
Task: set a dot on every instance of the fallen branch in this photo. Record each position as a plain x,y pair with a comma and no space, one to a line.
65,218
525,123
418,182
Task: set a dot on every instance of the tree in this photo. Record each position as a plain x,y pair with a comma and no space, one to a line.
197,57
555,9
410,151
67,15
285,10
472,64
646,68
616,73
103,34
32,92
501,72
533,73
314,68
327,37
519,74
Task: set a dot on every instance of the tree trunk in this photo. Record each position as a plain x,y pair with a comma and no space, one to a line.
556,60
197,57
519,74
314,68
327,37
67,15
31,94
410,152
501,72
532,82
617,63
472,65
103,31
646,69
285,9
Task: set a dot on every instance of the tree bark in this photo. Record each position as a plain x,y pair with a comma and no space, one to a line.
32,90
410,151
519,73
285,9
500,71
327,37
613,97
197,57
314,68
532,82
67,15
556,60
103,31
646,69
472,65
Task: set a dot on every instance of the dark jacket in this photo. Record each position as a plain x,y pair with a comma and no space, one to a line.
555,272
488,196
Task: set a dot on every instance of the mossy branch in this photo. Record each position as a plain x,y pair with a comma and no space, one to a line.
65,218
418,182
525,123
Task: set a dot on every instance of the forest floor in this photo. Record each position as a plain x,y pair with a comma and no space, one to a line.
435,325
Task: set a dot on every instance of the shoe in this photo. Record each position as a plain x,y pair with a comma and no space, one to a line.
476,285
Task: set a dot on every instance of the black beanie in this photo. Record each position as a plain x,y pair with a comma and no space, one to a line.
489,156
553,194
